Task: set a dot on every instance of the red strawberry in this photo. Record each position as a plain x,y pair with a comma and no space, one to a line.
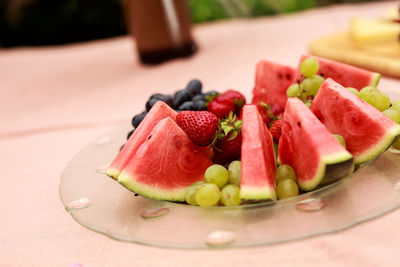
276,130
263,110
228,140
200,126
236,97
220,107
277,110
228,150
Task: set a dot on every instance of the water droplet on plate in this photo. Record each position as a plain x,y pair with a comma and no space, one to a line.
103,140
154,213
102,169
397,186
220,237
311,204
79,203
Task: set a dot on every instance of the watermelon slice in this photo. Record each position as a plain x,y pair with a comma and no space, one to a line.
309,147
366,130
159,111
258,157
165,164
271,83
346,75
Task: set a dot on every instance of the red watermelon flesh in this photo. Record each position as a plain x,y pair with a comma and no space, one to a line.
271,83
309,147
165,164
366,130
159,111
346,75
258,157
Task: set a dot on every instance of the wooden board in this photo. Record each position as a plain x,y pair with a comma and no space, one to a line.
383,57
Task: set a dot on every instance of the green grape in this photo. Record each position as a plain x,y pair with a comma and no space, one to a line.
340,139
309,67
285,172
308,103
396,105
392,113
191,191
353,90
293,90
230,195
311,85
234,171
216,174
396,144
287,188
208,195
374,97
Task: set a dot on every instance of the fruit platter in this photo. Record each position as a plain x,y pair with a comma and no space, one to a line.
316,150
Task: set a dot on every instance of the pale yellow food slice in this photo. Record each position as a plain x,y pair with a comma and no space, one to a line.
390,14
365,31
383,58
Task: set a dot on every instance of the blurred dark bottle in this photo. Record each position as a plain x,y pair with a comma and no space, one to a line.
161,29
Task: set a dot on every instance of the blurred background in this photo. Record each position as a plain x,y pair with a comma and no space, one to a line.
49,22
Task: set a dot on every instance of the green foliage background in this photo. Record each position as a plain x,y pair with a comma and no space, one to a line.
48,22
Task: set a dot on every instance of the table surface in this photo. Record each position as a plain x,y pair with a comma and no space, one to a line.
55,100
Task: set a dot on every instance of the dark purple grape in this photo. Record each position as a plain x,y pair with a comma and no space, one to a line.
150,103
138,119
130,133
156,96
200,105
194,86
180,97
164,98
188,105
198,98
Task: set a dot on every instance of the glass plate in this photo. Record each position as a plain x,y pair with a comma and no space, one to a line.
101,204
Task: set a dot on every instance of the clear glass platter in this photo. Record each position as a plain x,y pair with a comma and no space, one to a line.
101,204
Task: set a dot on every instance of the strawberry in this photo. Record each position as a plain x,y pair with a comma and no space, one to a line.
269,113
263,110
276,130
229,101
200,126
236,97
228,150
228,140
220,107
277,110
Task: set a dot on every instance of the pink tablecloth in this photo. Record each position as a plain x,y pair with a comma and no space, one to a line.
54,100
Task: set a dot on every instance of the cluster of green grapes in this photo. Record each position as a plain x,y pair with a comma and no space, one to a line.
382,102
220,185
286,179
308,88
286,182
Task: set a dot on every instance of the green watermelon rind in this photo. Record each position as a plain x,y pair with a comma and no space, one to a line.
257,193
129,181
385,142
113,173
335,158
376,77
